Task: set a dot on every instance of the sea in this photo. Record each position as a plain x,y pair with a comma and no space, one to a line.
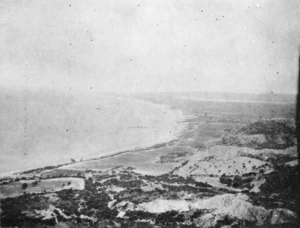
41,128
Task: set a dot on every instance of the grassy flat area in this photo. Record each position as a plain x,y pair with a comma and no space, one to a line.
21,187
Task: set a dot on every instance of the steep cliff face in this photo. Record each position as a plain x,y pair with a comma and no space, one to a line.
215,206
234,206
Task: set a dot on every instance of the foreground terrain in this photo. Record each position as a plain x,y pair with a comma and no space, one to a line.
225,170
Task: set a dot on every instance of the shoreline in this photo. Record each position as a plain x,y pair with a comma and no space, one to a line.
180,125
93,158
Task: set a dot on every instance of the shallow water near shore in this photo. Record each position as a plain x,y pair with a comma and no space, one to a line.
80,126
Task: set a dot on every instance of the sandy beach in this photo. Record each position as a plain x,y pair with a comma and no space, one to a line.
94,126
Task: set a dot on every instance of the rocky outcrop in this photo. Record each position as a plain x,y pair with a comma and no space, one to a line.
234,206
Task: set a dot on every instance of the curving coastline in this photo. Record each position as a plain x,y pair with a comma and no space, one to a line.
145,125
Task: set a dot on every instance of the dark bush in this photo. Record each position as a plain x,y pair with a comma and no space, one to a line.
237,181
169,218
283,179
225,180
24,186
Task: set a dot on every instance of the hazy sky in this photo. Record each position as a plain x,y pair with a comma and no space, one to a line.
154,45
